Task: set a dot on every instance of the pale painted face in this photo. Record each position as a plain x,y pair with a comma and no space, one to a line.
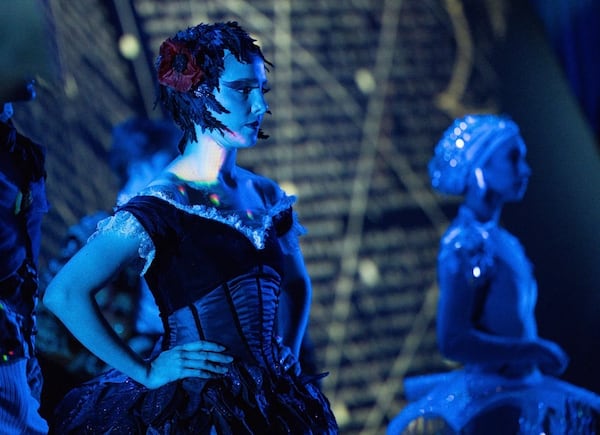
506,172
241,91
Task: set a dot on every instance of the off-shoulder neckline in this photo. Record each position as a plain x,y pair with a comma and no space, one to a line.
252,224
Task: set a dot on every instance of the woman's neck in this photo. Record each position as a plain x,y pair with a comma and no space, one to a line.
484,209
206,162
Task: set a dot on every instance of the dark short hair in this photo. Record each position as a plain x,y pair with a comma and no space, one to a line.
189,66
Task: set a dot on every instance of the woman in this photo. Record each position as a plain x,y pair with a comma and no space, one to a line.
486,319
222,260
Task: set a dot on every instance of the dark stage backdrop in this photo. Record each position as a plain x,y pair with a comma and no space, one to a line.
361,91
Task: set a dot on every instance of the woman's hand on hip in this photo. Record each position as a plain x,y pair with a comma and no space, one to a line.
199,359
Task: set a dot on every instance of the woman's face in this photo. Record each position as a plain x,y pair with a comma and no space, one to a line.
242,88
506,172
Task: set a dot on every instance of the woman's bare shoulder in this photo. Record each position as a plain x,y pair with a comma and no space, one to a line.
266,187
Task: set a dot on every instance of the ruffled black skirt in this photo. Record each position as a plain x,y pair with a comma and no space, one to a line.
246,400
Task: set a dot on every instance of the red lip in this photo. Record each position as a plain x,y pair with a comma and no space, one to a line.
253,125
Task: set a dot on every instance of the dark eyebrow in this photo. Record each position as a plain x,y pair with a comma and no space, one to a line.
243,83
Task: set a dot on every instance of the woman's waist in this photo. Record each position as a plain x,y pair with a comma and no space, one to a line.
254,339
239,314
257,348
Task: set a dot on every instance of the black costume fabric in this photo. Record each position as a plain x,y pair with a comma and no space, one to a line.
23,204
216,276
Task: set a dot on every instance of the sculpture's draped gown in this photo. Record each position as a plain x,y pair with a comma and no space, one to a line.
502,276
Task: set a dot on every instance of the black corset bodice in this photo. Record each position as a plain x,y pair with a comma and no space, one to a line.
239,314
214,277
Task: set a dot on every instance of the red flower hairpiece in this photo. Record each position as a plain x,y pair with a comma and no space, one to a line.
178,68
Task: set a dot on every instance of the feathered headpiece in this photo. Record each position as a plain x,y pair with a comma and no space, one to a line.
189,65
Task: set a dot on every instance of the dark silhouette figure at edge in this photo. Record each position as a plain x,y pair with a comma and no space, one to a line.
486,322
23,204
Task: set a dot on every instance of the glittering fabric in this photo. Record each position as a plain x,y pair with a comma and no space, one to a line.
464,146
233,301
545,404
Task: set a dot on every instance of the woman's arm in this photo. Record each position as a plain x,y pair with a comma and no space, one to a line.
70,296
460,339
296,289
295,299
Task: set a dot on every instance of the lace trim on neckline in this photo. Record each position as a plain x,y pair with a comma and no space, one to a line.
254,229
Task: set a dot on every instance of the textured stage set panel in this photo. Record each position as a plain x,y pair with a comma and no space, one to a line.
361,91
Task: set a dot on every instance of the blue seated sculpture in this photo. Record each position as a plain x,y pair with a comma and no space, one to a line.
507,382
